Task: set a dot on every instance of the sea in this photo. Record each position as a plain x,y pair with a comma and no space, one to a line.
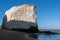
50,37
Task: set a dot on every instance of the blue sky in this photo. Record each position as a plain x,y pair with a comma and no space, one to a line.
48,11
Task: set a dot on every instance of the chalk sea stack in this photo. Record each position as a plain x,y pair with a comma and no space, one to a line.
21,18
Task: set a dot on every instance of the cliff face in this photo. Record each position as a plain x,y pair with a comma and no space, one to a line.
23,17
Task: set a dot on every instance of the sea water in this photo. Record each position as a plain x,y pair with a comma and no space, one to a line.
49,37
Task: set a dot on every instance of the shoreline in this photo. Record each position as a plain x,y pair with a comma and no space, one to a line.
15,35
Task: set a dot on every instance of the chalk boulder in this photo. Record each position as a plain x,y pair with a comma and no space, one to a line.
21,17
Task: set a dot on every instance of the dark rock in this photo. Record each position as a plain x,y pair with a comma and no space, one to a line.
47,32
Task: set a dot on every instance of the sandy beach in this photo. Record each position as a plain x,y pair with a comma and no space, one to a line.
14,35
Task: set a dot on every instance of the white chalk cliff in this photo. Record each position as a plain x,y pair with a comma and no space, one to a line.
23,16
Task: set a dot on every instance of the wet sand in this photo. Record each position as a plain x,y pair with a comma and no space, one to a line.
14,35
